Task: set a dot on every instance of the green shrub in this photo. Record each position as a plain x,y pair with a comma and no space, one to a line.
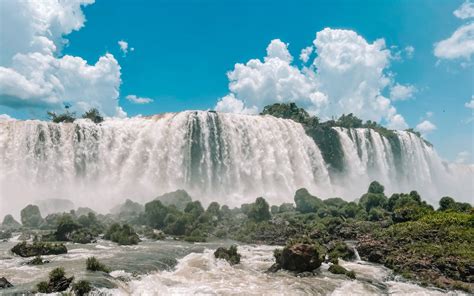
93,264
82,288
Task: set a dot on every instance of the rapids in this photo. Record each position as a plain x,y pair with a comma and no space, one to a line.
179,268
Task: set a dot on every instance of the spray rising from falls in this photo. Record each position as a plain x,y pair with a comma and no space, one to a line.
225,157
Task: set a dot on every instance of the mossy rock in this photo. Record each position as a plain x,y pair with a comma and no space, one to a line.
338,269
299,257
25,249
230,255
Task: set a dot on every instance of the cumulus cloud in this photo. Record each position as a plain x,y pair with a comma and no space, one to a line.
460,45
466,10
346,76
32,75
425,127
400,92
306,53
470,104
138,100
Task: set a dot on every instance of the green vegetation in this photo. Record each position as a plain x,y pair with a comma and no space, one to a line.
10,223
31,216
58,282
327,138
230,255
68,117
25,249
82,288
93,264
94,115
338,269
122,234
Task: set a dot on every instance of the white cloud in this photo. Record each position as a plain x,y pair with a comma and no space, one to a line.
32,75
462,157
306,53
347,75
429,114
229,104
278,50
459,45
409,51
138,100
470,104
400,92
465,11
425,127
124,47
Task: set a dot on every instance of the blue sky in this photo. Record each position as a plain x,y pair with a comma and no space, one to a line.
183,50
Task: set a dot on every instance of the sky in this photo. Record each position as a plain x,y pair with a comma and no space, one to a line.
401,63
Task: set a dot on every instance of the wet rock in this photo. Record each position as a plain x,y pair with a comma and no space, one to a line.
4,283
5,235
299,257
25,249
58,282
37,261
230,255
338,269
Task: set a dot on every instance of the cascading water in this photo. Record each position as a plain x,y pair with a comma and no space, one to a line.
225,157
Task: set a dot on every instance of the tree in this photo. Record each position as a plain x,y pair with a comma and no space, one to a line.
31,216
260,210
155,213
94,115
349,121
447,203
194,208
376,187
306,203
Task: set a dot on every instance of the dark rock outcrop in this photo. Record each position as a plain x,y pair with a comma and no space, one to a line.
4,283
299,257
230,255
25,249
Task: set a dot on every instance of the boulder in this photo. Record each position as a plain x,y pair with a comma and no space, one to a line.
299,257
4,283
230,254
25,249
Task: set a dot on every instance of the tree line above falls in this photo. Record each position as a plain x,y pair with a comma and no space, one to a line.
402,232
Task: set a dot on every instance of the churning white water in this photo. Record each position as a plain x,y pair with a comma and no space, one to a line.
225,157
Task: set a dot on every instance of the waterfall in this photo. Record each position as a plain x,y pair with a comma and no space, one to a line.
229,158
225,157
